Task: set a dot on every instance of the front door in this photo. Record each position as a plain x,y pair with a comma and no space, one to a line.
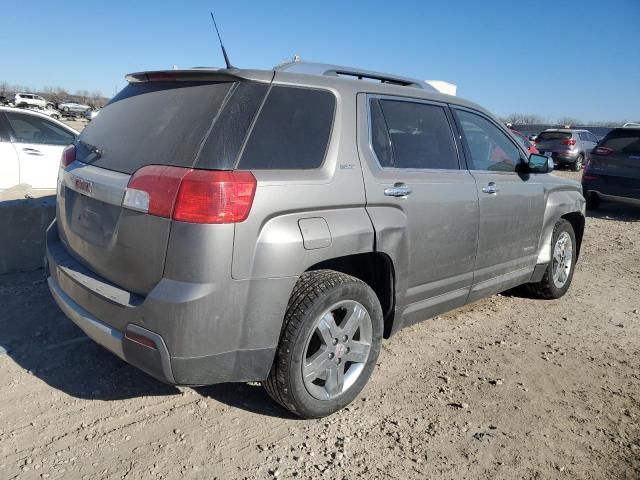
423,205
511,206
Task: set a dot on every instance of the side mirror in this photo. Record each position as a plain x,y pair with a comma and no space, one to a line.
540,163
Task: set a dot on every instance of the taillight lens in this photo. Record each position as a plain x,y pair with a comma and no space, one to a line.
604,151
568,142
68,155
195,196
209,196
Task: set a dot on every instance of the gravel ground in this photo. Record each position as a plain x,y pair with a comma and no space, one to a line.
509,387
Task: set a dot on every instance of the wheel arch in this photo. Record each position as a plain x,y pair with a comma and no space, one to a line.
376,269
567,204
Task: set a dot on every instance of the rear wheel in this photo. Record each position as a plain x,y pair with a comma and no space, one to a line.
329,344
557,278
577,165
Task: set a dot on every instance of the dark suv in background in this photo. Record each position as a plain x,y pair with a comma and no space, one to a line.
613,172
566,146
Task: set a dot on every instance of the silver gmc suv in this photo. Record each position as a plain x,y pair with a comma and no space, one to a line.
243,225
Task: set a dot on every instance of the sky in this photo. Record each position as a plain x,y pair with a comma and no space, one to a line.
561,58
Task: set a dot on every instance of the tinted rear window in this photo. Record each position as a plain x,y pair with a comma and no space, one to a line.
292,130
623,141
554,136
154,123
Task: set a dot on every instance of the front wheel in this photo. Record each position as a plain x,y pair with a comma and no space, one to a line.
557,278
329,344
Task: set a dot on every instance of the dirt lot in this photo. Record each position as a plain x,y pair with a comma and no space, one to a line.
544,389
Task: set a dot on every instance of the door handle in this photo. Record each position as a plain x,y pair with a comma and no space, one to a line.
32,151
398,190
491,188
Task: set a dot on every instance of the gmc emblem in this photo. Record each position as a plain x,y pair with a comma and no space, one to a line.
83,185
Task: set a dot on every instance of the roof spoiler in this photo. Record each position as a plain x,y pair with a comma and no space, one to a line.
217,74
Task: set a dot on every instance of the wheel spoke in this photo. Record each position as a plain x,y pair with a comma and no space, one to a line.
358,352
317,365
335,380
354,321
328,329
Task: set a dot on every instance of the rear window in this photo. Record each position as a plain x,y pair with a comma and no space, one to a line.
554,136
623,141
169,123
292,130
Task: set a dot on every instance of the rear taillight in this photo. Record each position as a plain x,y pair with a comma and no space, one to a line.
195,196
209,196
568,142
604,151
589,177
68,155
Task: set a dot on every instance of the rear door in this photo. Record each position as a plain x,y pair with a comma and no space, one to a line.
423,205
39,143
511,205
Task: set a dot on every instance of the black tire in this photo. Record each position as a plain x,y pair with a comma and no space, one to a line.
577,165
593,200
547,288
314,293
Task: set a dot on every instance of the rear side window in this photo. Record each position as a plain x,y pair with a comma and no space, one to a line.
292,130
419,135
554,136
623,141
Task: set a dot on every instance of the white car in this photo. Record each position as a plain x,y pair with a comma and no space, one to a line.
31,145
73,107
24,99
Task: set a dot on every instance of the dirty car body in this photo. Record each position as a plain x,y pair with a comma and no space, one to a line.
194,300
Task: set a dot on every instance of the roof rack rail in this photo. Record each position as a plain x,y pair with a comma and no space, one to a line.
311,68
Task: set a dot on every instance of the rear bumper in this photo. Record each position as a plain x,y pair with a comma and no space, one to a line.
204,334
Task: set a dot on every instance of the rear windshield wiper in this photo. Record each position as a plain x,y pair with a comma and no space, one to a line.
92,148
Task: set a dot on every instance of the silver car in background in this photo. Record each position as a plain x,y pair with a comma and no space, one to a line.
567,146
68,107
275,225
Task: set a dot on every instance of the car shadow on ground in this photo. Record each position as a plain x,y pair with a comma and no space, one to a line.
250,397
40,339
616,211
44,342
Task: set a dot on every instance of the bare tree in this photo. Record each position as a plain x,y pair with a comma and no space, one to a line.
571,121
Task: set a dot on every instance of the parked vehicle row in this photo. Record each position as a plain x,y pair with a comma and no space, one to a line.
316,215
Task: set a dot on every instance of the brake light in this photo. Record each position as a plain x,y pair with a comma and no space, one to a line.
604,151
195,196
568,142
68,155
209,196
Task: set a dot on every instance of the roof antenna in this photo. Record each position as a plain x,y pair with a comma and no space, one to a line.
224,52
